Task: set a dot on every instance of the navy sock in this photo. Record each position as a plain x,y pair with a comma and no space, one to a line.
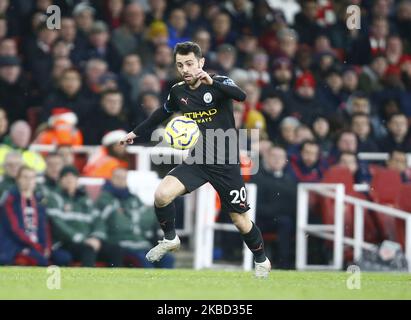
166,216
254,241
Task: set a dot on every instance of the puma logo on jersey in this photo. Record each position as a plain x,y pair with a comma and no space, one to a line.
184,100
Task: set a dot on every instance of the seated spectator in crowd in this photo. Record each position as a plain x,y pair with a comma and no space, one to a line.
129,79
302,103
331,92
55,163
398,162
274,112
360,103
129,37
178,30
321,130
307,166
306,22
67,153
371,78
288,128
4,127
95,69
61,129
148,102
128,222
358,169
99,46
68,95
20,134
361,126
221,31
13,88
281,75
109,157
84,15
24,235
12,164
225,61
398,134
346,142
350,82
258,71
163,65
302,133
76,223
110,116
276,203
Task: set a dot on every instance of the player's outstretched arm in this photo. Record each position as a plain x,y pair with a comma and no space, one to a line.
157,117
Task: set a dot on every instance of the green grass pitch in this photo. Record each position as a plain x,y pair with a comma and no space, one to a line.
100,283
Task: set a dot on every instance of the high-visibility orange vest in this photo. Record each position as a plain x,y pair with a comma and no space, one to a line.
101,165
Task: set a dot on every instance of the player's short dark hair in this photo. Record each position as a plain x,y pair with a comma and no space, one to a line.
185,48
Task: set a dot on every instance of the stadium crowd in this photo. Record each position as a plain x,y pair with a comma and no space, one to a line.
319,93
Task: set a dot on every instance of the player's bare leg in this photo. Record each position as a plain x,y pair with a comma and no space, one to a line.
254,241
169,188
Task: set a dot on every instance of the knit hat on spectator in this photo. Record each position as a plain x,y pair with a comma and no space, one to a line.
9,61
305,79
62,116
69,170
81,7
157,29
112,137
255,120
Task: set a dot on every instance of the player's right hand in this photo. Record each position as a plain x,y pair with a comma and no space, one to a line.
128,139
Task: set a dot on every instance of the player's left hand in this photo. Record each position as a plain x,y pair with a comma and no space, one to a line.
204,77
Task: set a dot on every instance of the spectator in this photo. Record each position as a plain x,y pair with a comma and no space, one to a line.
397,137
20,134
321,130
83,15
361,126
258,71
331,92
110,116
99,46
306,22
24,235
129,37
157,11
203,38
13,89
8,47
67,153
60,65
345,142
281,75
222,31
68,35
195,18
39,58
68,95
113,13
303,103
225,60
76,223
61,129
274,112
130,77
177,27
366,46
163,66
371,78
109,157
358,169
12,164
350,82
276,203
287,43
4,127
55,164
307,166
94,71
288,128
128,222
398,162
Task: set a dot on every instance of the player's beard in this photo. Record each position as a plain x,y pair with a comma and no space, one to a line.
190,81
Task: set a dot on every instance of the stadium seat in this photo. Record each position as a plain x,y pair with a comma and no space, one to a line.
338,174
384,189
403,203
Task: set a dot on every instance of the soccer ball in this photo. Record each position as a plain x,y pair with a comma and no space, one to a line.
181,133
